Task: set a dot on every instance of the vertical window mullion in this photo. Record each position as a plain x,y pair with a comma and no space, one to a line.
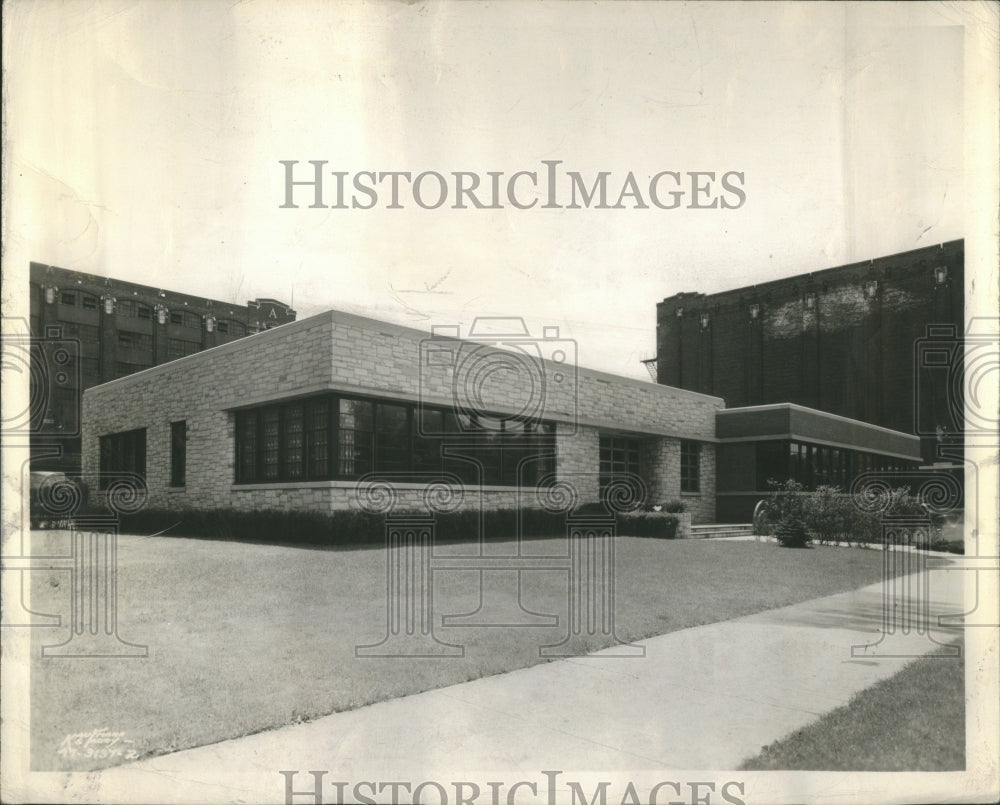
307,420
333,443
409,439
281,452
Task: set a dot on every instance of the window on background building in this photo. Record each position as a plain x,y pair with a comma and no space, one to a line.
88,302
178,453
179,348
122,452
68,298
144,311
85,332
130,340
126,308
222,326
185,318
690,466
332,437
618,456
237,328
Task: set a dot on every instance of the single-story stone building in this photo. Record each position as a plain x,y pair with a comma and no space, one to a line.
292,418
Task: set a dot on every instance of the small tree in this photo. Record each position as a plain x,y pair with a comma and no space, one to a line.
786,510
826,515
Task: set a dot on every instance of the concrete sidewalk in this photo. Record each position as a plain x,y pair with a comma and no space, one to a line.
702,698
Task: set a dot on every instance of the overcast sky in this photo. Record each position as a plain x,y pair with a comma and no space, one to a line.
145,141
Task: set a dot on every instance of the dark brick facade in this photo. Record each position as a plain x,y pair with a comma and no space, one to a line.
839,340
116,328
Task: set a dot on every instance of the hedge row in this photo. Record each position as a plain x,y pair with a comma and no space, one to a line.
344,528
796,517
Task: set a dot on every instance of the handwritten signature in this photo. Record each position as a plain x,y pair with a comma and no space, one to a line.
99,743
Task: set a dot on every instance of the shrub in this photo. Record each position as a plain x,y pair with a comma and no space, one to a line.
343,528
791,531
830,515
648,524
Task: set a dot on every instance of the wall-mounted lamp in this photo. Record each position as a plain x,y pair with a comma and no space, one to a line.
704,320
810,300
109,303
161,314
680,312
941,275
50,294
871,289
210,323
754,310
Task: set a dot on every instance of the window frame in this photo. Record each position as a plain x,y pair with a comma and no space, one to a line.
419,453
130,339
617,456
178,453
120,452
690,467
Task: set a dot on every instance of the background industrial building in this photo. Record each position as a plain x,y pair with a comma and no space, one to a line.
90,329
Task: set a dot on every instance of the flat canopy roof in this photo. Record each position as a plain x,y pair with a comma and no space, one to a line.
791,421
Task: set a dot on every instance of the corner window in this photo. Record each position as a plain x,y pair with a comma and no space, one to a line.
690,466
333,437
178,453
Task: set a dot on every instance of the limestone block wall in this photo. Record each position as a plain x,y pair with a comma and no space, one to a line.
660,465
197,389
338,351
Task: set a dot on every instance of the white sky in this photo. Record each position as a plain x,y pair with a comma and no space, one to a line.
144,139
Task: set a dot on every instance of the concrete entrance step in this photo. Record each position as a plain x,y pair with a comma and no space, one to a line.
714,530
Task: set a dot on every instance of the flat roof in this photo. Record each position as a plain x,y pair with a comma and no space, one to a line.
793,421
386,328
818,274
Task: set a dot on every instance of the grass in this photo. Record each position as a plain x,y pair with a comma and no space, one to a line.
247,637
912,721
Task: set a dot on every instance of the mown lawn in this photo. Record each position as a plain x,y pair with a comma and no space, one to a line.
913,721
246,637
